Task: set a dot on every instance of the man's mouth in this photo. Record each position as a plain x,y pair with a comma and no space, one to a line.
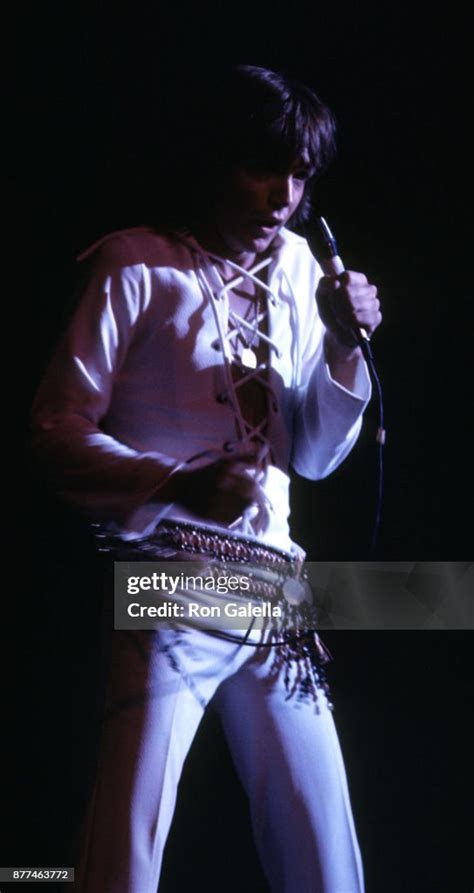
267,223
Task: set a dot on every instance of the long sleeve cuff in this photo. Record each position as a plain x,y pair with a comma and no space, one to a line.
328,420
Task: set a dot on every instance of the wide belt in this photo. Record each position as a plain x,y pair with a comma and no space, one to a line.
226,546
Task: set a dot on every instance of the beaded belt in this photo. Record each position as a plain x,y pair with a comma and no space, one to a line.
226,547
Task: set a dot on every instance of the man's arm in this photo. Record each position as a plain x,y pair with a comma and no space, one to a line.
343,361
92,470
335,386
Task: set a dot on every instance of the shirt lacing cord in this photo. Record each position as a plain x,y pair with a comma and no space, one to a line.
256,517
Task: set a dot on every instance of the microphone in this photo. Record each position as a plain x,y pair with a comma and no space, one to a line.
324,249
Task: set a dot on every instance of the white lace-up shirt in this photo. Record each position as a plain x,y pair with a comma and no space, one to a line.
141,384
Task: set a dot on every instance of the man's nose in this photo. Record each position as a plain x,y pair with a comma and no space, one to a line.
281,192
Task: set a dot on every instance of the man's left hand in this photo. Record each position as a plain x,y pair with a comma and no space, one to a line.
347,302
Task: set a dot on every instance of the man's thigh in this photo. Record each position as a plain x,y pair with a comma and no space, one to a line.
289,761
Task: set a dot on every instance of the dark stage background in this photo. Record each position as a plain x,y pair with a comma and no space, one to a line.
86,83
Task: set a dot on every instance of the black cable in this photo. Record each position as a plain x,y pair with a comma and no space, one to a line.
380,439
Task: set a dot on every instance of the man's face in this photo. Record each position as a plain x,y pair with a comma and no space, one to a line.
254,204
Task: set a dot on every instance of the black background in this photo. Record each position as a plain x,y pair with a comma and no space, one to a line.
86,82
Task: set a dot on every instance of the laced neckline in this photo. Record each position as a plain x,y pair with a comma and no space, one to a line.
249,431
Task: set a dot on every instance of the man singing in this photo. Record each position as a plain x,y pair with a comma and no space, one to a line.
205,357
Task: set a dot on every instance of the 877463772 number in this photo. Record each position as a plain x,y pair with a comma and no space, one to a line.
36,874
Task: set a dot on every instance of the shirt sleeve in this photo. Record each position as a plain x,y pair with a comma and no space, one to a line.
94,472
327,416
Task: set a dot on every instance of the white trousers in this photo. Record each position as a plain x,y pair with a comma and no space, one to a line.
286,755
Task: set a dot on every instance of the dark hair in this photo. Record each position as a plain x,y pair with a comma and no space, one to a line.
244,115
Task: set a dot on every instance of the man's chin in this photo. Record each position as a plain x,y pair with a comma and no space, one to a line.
250,244
258,244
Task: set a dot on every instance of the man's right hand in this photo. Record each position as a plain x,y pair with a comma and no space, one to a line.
220,491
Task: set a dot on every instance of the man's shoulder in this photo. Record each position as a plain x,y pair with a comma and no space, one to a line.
132,247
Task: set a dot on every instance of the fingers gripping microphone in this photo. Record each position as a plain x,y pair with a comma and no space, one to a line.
323,247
